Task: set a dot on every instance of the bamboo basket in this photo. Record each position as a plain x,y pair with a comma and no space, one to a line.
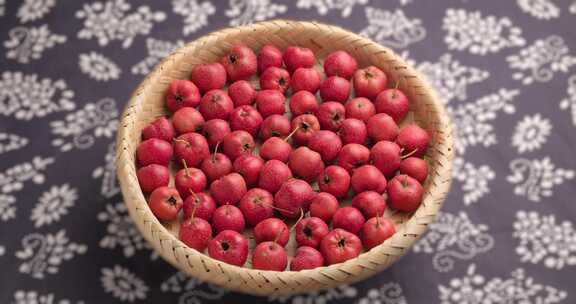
147,103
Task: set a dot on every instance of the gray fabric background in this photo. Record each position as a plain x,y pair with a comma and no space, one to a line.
506,234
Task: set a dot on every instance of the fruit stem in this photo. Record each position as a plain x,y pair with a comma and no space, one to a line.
181,140
377,220
298,221
215,150
396,87
405,181
193,212
275,208
186,171
291,133
193,194
279,234
409,154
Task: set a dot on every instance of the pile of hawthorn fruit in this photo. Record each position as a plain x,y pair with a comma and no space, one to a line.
348,147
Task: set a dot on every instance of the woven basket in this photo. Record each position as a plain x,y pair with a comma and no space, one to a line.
147,103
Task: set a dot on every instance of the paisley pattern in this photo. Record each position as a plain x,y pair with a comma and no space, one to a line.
506,71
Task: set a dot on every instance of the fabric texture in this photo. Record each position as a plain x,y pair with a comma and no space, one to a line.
505,69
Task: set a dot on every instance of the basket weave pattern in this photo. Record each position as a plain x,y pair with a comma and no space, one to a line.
147,103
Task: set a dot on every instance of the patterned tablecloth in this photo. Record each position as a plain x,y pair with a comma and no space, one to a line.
506,70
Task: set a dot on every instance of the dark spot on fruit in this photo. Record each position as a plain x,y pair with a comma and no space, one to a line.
243,113
307,231
341,243
337,117
178,98
282,82
304,126
275,133
246,147
172,201
225,246
214,98
326,179
367,74
232,58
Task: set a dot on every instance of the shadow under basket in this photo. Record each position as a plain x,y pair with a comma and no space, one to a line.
147,103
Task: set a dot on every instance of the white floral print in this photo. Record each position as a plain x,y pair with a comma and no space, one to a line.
474,179
572,8
53,204
388,293
478,34
26,96
107,173
29,43
473,121
157,50
541,9
81,128
320,297
191,290
123,284
536,178
2,250
43,254
13,179
11,142
248,11
113,20
34,297
98,67
7,207
2,7
569,103
450,78
474,288
31,10
392,29
454,237
531,133
541,239
324,6
195,14
541,60
120,230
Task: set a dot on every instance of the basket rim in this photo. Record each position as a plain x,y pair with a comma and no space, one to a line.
145,219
